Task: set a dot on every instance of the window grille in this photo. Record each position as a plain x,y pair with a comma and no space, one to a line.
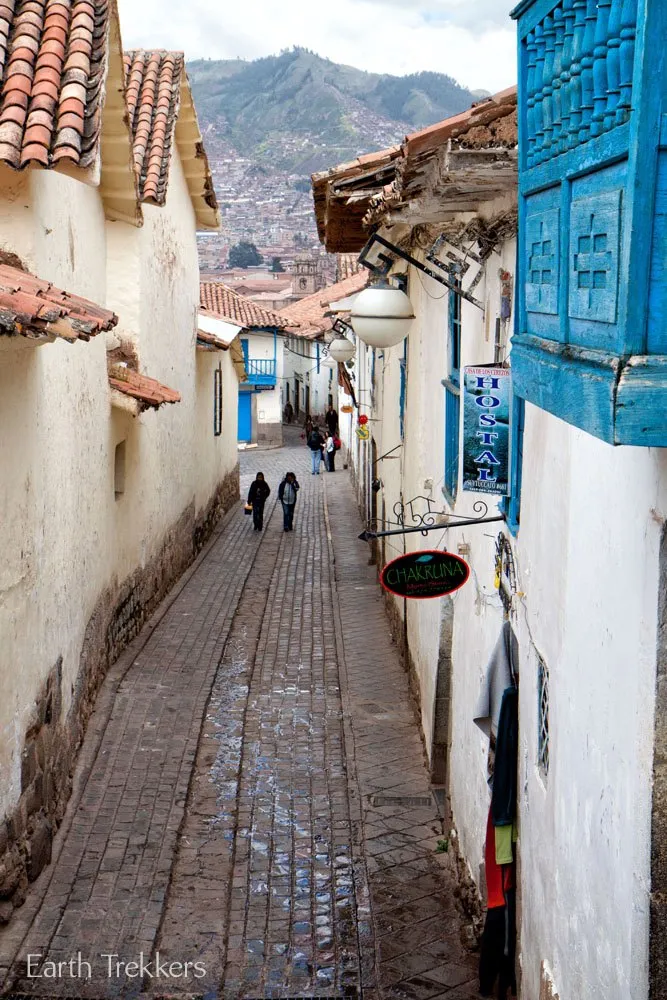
542,716
217,401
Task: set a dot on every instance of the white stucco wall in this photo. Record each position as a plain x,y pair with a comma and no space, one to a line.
65,537
587,560
300,358
53,419
267,404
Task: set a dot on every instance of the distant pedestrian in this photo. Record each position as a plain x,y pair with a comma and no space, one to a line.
288,412
287,492
330,453
308,426
315,442
258,494
331,420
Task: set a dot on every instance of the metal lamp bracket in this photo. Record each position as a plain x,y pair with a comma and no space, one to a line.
434,268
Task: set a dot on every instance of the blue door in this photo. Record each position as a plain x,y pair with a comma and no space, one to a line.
245,416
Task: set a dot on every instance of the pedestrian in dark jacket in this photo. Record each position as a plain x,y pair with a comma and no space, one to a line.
331,420
257,496
316,444
287,492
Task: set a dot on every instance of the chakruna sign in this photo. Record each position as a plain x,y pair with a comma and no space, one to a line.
420,575
487,401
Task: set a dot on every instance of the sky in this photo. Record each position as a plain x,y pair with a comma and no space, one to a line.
470,40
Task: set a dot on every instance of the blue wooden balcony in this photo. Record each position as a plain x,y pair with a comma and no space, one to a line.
261,371
591,338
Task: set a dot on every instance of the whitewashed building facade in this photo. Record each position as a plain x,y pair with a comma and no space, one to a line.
111,473
591,652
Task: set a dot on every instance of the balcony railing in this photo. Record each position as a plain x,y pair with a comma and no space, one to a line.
579,71
261,371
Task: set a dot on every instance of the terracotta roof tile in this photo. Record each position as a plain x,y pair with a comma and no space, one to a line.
32,307
220,299
147,391
153,82
161,113
309,316
52,55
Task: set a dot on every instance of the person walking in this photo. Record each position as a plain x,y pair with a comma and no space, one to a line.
331,420
330,453
316,443
308,426
258,494
287,492
288,413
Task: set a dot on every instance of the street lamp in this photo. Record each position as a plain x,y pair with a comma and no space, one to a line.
341,349
381,315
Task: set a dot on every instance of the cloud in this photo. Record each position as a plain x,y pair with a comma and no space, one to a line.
470,40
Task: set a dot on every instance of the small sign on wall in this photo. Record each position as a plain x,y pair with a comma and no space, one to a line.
425,574
487,403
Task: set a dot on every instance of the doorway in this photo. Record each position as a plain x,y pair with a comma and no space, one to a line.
245,417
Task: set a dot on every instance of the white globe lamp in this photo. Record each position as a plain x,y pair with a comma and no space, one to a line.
381,315
341,349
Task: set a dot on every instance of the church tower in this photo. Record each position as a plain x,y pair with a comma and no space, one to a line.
306,276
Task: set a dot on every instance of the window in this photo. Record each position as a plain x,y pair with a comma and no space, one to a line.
453,395
217,401
511,505
119,470
401,405
542,716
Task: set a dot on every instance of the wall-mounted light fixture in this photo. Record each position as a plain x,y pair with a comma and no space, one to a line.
381,315
340,348
379,254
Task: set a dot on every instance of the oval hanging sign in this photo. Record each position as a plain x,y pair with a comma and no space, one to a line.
425,574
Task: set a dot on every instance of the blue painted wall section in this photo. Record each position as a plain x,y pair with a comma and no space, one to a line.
591,339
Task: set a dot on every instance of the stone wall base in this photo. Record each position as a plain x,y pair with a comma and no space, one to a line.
51,740
270,435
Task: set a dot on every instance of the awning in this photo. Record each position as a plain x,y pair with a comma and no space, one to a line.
216,334
135,393
220,329
343,305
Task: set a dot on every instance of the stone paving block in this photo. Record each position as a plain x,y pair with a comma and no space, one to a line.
227,811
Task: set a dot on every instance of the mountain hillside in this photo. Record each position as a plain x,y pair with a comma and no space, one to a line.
324,111
269,124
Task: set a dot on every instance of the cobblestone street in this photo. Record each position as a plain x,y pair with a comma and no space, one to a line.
252,793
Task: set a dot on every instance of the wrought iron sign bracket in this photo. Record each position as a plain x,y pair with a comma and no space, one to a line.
367,536
435,269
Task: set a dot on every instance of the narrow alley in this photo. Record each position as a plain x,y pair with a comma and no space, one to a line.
251,795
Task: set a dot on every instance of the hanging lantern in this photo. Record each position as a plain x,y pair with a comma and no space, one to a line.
381,315
341,349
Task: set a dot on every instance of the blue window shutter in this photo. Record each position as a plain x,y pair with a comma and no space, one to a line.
511,505
452,420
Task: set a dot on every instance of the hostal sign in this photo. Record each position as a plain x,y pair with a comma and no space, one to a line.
425,574
486,429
